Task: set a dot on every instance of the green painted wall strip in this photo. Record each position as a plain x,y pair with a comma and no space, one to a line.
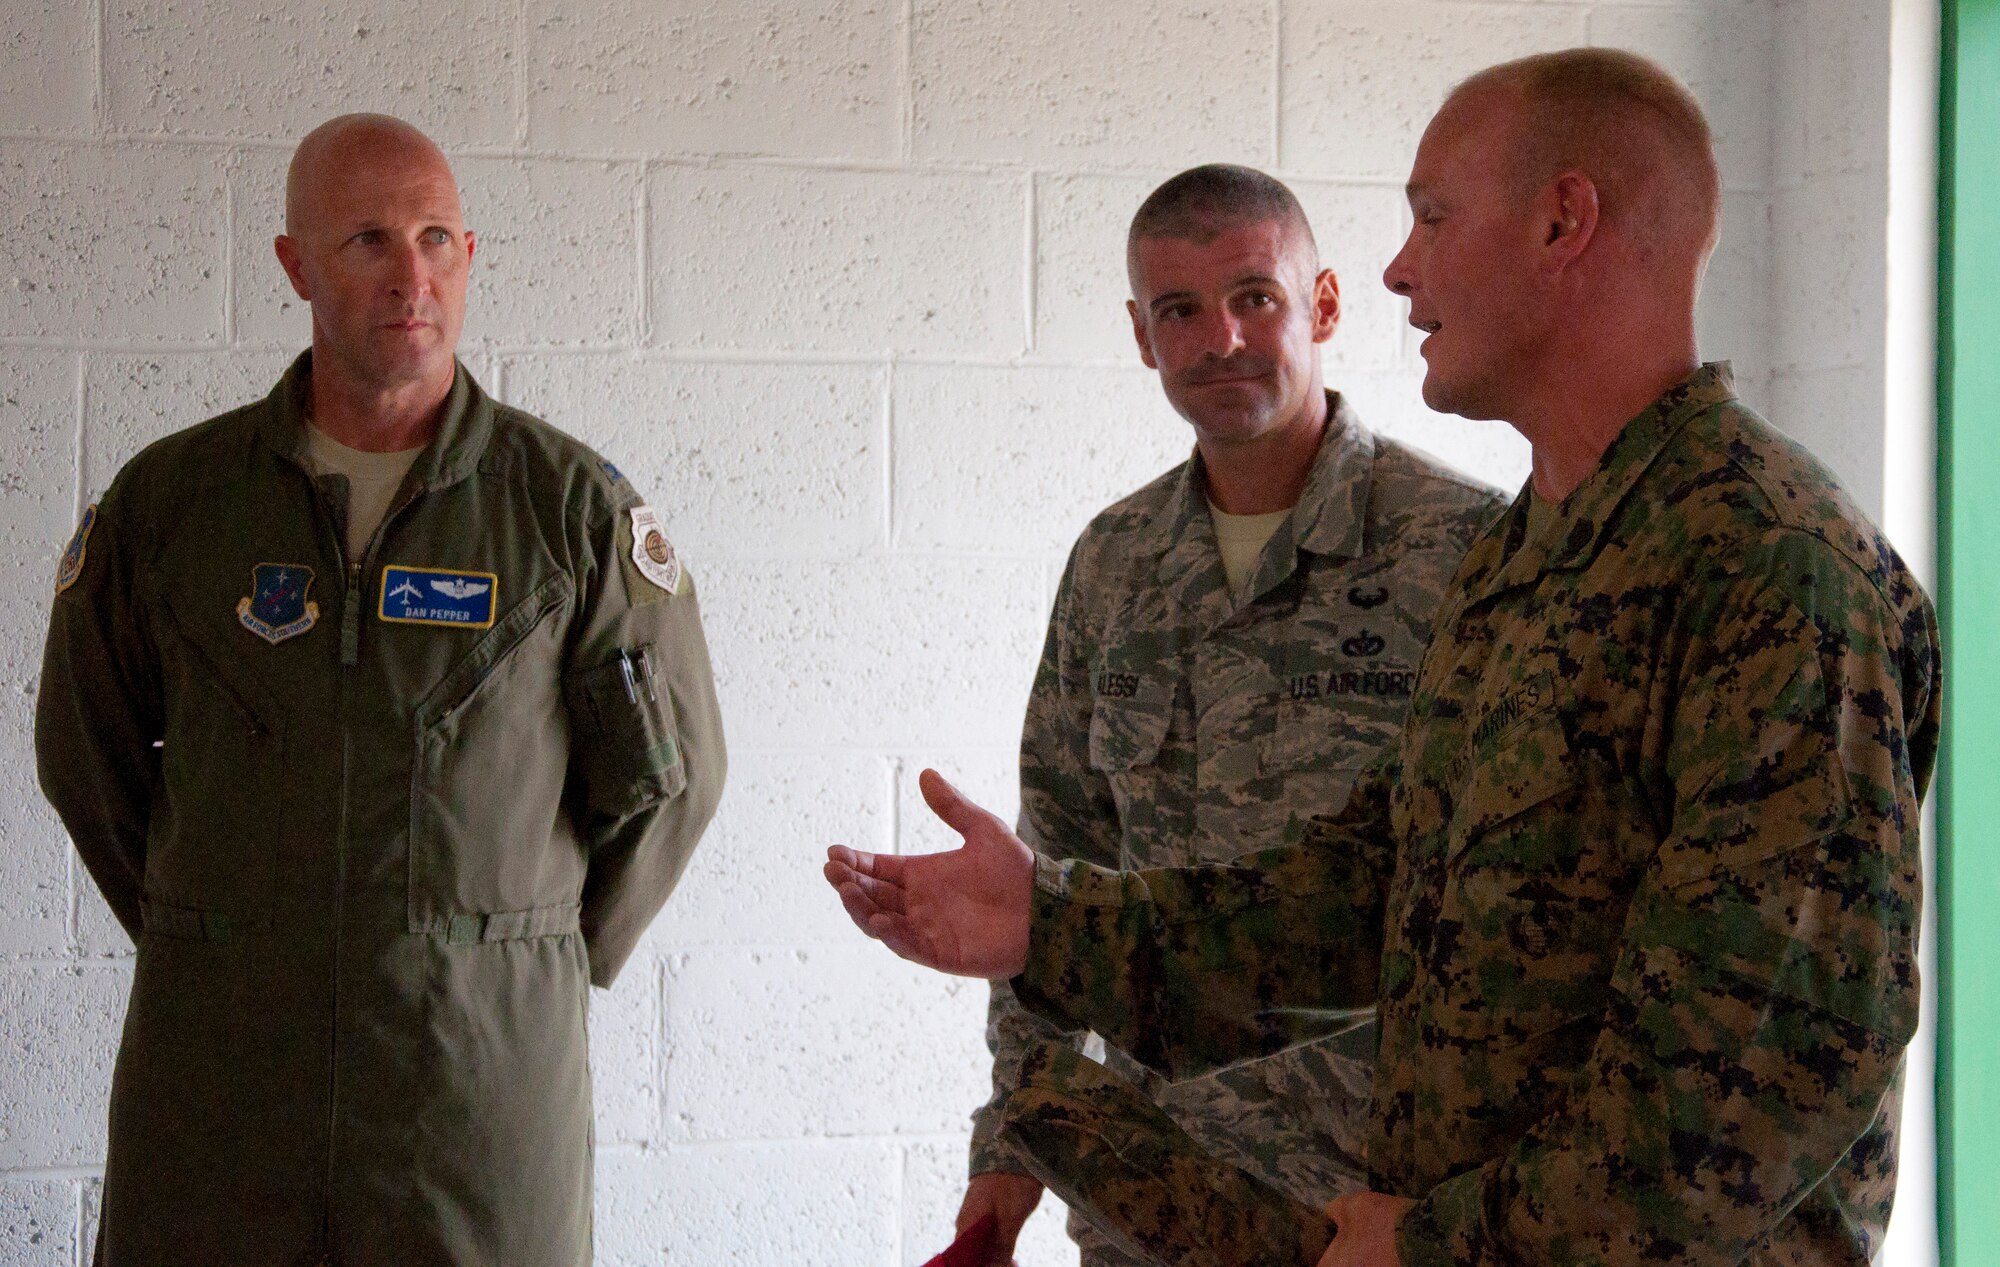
1969,598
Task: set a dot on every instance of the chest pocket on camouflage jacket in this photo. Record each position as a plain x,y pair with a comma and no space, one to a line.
1128,726
1527,896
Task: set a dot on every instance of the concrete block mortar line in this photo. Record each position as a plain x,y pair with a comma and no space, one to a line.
704,161
711,1147
75,960
889,542
902,1204
229,169
650,353
1277,83
114,347
660,1035
879,556
100,92
78,1250
79,386
906,80
1031,244
896,752
54,1174
73,907
643,209
892,767
520,21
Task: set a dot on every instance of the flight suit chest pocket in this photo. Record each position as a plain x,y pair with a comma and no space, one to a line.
626,745
491,763
222,820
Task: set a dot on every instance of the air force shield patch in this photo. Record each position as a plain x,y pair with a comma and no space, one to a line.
652,554
277,608
71,566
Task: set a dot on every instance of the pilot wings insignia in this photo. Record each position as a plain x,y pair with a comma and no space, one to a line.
459,588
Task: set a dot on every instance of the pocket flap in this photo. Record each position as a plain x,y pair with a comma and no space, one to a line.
1126,733
1514,771
623,736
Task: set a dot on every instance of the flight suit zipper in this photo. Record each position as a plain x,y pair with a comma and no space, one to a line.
350,659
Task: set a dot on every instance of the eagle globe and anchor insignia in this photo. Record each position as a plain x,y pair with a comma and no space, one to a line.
276,608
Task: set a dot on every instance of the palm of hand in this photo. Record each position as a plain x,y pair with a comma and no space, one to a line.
964,911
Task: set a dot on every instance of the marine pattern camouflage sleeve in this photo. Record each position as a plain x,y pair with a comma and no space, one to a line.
1189,969
1766,981
1065,804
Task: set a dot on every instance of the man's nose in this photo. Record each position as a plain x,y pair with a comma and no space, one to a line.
1397,276
409,272
1225,334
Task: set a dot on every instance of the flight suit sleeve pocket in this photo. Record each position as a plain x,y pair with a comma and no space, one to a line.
625,744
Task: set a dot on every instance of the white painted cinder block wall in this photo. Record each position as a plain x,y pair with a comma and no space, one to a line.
840,285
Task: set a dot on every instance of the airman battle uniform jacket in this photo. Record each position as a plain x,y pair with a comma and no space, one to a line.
1646,954
1171,724
374,824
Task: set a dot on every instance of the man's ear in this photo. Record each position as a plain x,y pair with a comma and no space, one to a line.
1139,334
1325,305
290,260
1570,214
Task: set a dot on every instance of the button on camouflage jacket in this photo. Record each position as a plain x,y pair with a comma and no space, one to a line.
1171,724
1646,956
372,850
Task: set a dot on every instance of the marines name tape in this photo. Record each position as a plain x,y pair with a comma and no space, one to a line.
438,596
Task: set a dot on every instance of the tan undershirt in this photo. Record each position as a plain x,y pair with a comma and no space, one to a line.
1242,538
372,481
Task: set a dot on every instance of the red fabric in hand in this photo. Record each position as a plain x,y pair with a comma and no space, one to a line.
972,1246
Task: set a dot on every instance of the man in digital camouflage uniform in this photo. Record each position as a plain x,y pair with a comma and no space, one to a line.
385,727
1646,954
1231,645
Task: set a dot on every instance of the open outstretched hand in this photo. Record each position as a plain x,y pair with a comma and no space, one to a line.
964,911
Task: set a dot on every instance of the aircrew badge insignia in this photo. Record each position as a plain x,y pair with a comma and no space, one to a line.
652,553
276,608
438,596
71,566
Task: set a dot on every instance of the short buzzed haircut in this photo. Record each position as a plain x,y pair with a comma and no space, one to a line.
1628,124
1204,202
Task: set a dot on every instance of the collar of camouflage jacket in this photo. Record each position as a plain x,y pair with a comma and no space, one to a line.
1573,534
1329,518
452,454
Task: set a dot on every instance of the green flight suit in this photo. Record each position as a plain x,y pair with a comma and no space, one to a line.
1636,893
372,853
